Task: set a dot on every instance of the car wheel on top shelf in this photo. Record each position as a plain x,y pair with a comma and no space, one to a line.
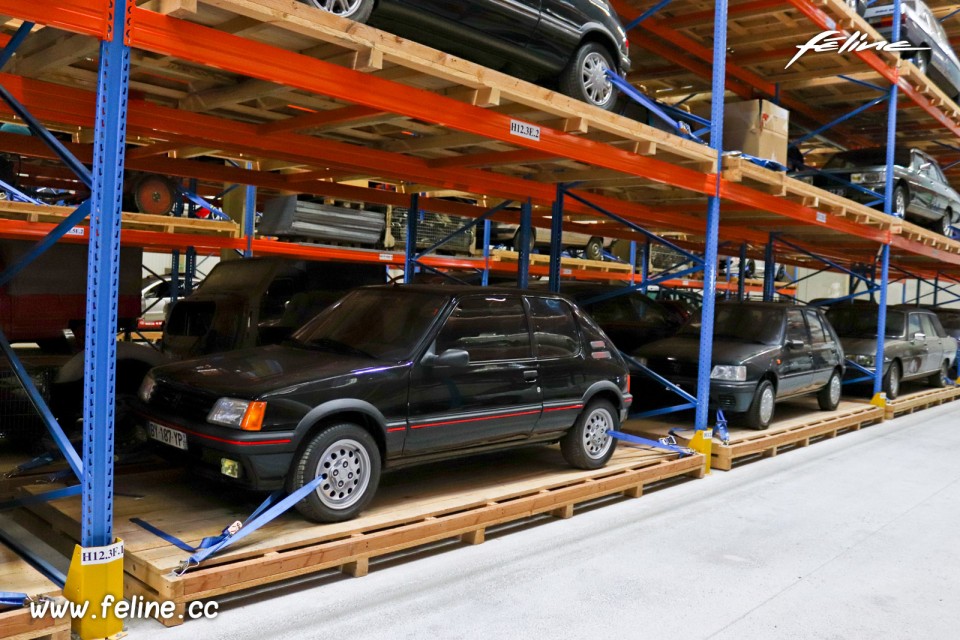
594,249
357,10
946,224
900,199
585,78
922,61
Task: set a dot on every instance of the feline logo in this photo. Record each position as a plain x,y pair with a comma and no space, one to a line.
841,43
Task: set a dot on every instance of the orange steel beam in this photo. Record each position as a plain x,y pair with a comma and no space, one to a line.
89,17
320,118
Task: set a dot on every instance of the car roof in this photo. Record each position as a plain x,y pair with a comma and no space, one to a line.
458,290
760,303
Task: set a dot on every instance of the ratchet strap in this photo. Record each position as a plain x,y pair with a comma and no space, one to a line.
663,443
46,496
13,599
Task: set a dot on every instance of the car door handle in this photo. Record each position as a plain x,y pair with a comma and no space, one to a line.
529,375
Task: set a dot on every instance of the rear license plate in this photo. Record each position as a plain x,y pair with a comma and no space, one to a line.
837,190
168,436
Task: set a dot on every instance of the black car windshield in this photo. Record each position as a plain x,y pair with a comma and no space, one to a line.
867,158
861,322
385,324
755,325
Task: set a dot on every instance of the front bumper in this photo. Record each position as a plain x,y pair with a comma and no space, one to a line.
729,396
264,457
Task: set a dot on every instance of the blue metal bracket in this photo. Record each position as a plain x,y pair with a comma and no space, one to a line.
202,203
720,430
18,195
627,89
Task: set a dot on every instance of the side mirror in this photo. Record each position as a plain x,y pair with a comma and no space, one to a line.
449,358
919,335
794,344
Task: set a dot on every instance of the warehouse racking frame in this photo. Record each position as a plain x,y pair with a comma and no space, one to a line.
474,108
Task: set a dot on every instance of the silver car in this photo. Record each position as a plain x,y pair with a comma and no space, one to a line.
920,28
921,191
915,344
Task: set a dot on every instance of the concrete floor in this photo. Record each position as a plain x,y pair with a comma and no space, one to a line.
854,537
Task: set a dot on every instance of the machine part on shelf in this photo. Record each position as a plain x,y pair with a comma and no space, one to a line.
289,218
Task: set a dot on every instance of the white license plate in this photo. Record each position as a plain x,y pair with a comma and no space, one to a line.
837,190
166,435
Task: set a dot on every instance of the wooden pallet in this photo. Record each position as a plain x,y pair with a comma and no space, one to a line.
573,264
798,424
920,400
140,221
458,499
17,624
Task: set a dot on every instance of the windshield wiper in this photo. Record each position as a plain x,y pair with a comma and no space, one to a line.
341,347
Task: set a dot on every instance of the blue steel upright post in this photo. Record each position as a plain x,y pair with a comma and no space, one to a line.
89,580
888,209
713,220
410,259
556,239
523,260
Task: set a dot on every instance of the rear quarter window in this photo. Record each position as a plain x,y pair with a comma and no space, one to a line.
555,331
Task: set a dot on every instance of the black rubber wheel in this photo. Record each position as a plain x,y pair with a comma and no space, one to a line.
155,194
585,79
829,396
586,445
348,458
761,409
515,241
939,379
357,10
891,381
900,200
594,249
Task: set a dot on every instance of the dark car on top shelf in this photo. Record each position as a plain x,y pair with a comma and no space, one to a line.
915,344
390,376
920,27
762,352
921,191
568,44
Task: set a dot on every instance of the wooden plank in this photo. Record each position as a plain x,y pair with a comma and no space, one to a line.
18,576
920,400
801,424
411,509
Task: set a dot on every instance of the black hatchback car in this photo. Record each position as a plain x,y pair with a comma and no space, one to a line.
570,43
762,352
390,376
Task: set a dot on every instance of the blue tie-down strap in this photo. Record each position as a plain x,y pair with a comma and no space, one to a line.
272,507
46,496
663,443
721,429
40,461
762,162
13,599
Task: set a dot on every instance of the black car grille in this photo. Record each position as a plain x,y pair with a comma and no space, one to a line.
727,401
181,402
672,369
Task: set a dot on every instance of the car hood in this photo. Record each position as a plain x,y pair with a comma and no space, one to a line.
687,349
865,346
250,373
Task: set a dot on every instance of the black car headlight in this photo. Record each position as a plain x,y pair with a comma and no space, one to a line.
146,388
730,373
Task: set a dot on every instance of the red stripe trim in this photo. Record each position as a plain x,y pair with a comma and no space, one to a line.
239,443
499,415
565,408
396,429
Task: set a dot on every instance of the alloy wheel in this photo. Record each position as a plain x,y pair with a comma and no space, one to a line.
766,405
596,85
596,442
345,467
344,8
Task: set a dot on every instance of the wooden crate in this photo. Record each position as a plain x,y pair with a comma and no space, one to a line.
798,423
457,499
17,624
911,402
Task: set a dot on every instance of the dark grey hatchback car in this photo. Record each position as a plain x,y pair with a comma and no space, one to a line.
762,352
567,43
391,376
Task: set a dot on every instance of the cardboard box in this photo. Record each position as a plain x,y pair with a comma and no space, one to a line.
758,128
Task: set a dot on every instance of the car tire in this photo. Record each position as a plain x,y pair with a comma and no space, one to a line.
355,453
939,379
515,241
829,396
356,10
901,199
584,77
585,445
891,381
946,223
594,249
761,409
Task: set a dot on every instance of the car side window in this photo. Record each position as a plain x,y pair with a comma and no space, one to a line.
554,328
913,325
796,328
488,327
817,334
927,326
